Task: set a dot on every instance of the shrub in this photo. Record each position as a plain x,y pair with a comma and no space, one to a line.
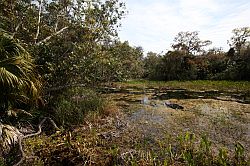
71,106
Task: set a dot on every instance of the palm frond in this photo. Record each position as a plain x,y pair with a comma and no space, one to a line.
9,135
17,74
19,84
8,80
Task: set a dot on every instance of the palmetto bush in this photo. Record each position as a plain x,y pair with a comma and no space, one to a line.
19,85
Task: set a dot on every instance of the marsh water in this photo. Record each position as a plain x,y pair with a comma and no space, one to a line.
164,94
223,116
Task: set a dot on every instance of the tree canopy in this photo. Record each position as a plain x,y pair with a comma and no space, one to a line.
189,43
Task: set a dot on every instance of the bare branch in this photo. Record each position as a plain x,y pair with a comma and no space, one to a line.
40,127
39,20
21,150
16,29
56,25
33,134
54,34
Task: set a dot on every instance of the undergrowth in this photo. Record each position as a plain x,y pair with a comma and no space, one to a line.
86,146
72,105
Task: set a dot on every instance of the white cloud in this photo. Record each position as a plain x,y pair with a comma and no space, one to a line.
153,24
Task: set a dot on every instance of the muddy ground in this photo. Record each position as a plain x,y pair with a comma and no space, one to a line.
149,117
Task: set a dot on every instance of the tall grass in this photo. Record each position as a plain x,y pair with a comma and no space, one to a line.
72,106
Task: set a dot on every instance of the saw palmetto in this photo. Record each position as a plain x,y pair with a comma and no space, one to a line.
19,85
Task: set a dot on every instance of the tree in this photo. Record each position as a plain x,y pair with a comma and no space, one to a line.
178,66
239,38
65,37
189,43
126,61
151,65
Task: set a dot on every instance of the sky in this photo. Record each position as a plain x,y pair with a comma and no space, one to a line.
153,24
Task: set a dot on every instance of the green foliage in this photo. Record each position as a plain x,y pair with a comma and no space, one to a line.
189,152
189,43
125,62
239,153
19,82
195,85
2,161
79,55
71,107
239,39
214,64
20,89
172,66
152,66
69,39
238,66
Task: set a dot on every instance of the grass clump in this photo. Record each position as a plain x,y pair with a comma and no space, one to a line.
189,151
71,107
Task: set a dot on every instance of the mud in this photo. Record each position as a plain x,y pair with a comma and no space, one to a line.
223,116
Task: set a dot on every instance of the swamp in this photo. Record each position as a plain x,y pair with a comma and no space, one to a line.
124,83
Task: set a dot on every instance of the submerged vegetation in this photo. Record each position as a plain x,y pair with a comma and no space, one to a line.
63,62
